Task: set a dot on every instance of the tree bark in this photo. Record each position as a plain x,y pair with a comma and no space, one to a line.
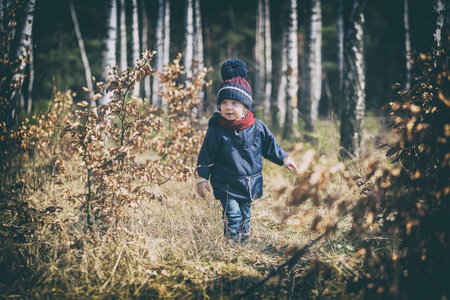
144,45
198,44
407,45
109,52
312,64
440,32
19,52
354,81
136,42
291,72
340,28
268,59
259,52
123,36
189,39
84,58
30,80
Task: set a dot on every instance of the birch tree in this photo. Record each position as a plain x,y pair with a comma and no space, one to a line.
163,44
263,56
30,79
198,43
440,32
268,59
278,108
340,28
353,105
109,46
312,64
259,51
291,70
135,42
123,36
189,39
145,45
407,44
166,37
84,58
20,37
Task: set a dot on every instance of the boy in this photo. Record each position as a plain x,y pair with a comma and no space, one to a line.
232,151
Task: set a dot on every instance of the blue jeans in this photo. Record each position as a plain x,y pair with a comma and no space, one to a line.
236,215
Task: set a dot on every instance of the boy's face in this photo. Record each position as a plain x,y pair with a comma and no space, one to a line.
232,110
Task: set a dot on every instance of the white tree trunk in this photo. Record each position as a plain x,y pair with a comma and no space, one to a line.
268,59
439,7
84,58
31,79
166,45
189,39
280,108
136,42
109,52
317,74
312,66
407,45
21,53
259,52
1,15
354,82
340,27
198,43
123,36
144,45
156,99
292,72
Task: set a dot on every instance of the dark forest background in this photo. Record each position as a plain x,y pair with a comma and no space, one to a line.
228,31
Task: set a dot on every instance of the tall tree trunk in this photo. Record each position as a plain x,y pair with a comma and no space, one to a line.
109,42
30,79
292,72
268,59
2,16
407,45
189,39
440,32
279,108
259,52
19,51
84,58
123,36
166,44
144,45
340,27
159,36
136,42
354,81
198,43
312,66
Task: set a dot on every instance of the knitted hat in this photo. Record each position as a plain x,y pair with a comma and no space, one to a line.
234,86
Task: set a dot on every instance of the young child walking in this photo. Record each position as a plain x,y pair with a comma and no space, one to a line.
232,151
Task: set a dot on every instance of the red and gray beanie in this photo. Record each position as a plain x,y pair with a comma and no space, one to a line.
234,86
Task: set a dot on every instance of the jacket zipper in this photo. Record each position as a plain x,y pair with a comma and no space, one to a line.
250,187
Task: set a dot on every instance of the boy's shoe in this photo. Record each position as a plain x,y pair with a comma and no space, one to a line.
245,236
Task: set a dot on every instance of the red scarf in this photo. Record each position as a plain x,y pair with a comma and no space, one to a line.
243,123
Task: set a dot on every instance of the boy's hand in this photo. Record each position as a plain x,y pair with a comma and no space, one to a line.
290,164
203,188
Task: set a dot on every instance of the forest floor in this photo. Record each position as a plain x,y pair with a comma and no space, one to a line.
174,248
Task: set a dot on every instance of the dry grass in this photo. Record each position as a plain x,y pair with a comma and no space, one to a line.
174,248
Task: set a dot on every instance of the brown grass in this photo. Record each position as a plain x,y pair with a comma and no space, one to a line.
174,248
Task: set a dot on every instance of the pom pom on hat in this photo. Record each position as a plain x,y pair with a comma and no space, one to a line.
233,67
234,86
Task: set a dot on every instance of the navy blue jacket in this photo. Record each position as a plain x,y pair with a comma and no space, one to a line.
232,160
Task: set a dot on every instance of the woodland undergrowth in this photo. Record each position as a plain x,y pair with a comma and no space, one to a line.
100,202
